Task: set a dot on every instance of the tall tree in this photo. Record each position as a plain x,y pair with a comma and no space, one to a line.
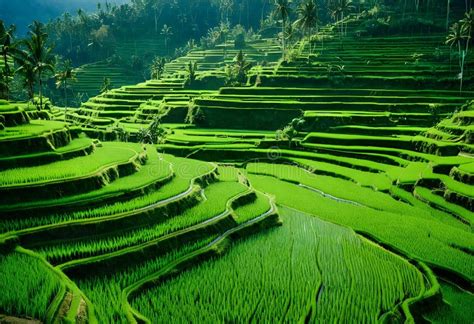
40,55
448,10
224,29
308,19
340,9
468,27
166,32
106,85
26,70
242,66
225,8
282,10
456,37
8,48
64,78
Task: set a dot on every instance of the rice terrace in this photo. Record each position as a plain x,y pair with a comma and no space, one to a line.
237,161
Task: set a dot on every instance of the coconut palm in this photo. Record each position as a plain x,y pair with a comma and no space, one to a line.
63,79
166,32
224,29
157,7
106,85
192,68
282,10
308,19
467,26
339,10
242,66
26,70
8,48
225,7
448,10
40,54
456,37
157,67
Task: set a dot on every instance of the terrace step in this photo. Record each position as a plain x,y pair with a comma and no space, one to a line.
270,218
451,190
398,142
208,210
136,212
116,160
426,195
153,175
35,137
350,91
463,173
77,147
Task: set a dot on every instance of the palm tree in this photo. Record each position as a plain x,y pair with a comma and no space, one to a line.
308,18
242,66
455,38
106,85
7,45
224,33
7,49
40,54
339,10
225,7
157,67
192,69
27,71
157,7
448,9
166,32
63,79
467,27
283,9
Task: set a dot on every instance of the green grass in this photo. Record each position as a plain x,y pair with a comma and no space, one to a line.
306,269
27,285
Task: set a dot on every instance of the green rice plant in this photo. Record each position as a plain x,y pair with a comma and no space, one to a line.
105,292
428,240
215,200
185,171
156,168
109,155
33,128
229,174
27,286
337,188
457,307
307,269
378,181
427,195
254,209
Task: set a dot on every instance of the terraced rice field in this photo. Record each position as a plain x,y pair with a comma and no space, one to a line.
90,77
366,215
306,265
135,202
